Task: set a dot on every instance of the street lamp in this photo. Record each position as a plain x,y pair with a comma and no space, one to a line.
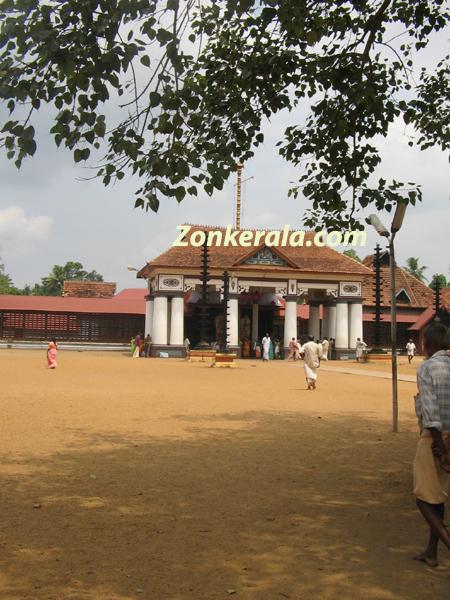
130,268
381,229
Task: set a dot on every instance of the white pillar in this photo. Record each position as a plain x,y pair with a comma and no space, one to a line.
148,316
355,310
255,323
233,321
177,321
290,320
324,321
160,320
331,328
341,325
314,321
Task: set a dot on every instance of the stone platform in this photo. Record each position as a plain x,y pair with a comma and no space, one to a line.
368,358
202,356
225,361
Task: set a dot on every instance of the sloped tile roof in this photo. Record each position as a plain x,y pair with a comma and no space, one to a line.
303,259
421,295
52,304
445,293
88,289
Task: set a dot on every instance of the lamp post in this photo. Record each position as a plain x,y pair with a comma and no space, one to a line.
381,229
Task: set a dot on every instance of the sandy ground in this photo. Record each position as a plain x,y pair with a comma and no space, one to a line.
161,479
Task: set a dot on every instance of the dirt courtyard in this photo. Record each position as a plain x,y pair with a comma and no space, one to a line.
165,480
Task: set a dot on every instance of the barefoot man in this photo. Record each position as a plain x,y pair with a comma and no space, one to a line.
432,471
311,353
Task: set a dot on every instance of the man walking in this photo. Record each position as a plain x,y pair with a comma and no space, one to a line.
411,350
360,349
432,461
311,353
266,347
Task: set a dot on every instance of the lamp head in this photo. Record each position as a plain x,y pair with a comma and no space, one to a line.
378,225
398,217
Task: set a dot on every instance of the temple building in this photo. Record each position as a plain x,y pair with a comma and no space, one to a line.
270,283
415,304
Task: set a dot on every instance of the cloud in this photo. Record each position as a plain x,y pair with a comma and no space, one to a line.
22,233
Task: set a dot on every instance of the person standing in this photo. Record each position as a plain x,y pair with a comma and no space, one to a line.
311,354
137,346
146,346
360,349
432,461
266,347
277,350
325,347
51,354
187,345
298,350
292,348
411,350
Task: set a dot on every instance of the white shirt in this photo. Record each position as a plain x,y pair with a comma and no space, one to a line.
410,346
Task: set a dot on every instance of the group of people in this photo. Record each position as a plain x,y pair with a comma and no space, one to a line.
140,346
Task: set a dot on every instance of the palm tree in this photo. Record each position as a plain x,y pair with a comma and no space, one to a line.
53,284
414,269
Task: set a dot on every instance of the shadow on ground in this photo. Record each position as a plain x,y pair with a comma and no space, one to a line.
289,506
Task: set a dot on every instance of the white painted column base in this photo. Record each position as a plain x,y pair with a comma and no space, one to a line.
314,322
341,325
233,324
149,316
355,311
160,320
331,328
290,321
177,322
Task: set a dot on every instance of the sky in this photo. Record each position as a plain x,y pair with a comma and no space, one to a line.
49,215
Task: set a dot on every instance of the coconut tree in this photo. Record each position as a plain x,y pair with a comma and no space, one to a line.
54,282
413,269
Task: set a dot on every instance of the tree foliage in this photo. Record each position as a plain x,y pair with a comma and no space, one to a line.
195,85
352,254
6,283
53,284
413,269
442,282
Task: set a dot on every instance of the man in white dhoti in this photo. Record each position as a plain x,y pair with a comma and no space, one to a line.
311,355
360,348
411,349
266,347
325,347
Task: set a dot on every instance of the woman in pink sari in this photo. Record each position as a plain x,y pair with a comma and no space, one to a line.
51,354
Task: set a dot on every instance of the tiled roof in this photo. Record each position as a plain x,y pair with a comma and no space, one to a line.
132,294
445,293
421,296
72,305
303,259
88,289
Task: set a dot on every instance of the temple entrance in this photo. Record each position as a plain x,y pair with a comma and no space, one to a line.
265,322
